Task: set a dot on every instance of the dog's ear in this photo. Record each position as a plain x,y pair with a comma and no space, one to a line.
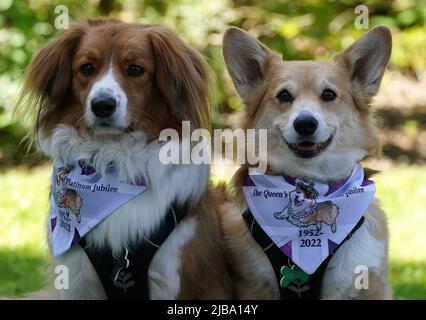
50,72
246,60
182,77
48,78
367,58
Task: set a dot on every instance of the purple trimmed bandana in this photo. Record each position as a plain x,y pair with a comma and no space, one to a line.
307,220
81,199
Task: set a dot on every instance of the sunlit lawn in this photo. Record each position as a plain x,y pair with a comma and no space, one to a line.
23,249
23,207
403,196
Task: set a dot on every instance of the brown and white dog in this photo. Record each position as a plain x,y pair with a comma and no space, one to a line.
319,126
103,91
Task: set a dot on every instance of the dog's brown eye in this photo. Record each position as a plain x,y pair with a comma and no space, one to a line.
87,69
284,96
328,95
135,71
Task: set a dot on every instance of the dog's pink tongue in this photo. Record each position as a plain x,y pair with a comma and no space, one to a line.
306,145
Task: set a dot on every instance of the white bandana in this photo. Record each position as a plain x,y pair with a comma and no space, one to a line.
81,199
307,220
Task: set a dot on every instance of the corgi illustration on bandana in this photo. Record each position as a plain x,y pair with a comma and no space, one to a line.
307,220
303,210
66,198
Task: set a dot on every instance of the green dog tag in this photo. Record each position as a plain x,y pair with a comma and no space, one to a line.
291,274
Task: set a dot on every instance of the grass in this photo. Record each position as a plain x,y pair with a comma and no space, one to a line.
23,250
402,192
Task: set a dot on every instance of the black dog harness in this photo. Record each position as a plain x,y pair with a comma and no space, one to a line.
125,276
303,290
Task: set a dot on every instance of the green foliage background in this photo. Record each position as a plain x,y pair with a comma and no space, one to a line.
297,29
305,29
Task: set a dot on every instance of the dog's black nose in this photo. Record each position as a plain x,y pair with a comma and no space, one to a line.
103,105
305,125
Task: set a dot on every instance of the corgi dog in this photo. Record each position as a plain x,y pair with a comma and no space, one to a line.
102,92
319,127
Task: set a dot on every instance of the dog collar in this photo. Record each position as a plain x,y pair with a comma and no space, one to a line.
81,199
305,219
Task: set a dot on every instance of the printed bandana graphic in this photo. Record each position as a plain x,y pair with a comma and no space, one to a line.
308,220
81,199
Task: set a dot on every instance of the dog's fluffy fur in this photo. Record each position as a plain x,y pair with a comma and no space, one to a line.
169,84
354,76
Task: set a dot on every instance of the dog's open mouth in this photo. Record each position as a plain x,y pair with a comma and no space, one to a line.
309,149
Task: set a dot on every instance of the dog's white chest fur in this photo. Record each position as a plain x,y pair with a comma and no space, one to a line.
138,217
363,250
